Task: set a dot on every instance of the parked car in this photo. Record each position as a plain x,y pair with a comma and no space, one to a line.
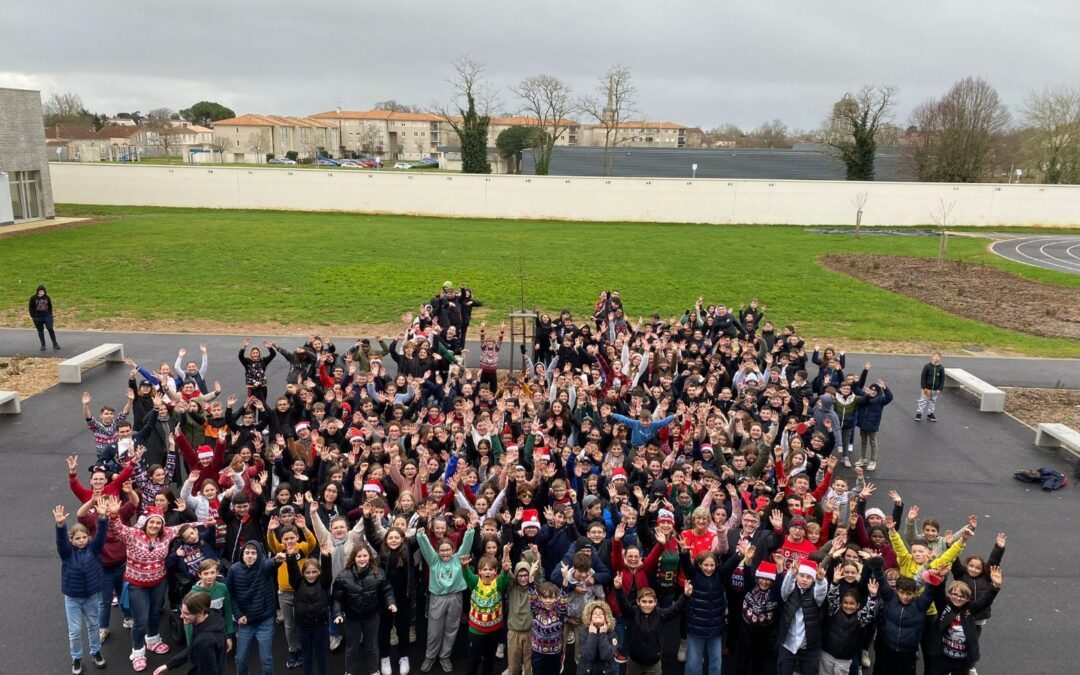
351,164
326,161
429,161
280,160
402,165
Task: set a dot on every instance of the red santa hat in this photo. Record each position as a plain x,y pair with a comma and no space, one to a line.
807,566
542,454
205,452
373,486
355,435
766,570
618,474
530,518
300,426
511,448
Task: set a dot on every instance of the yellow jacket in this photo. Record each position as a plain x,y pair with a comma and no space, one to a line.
909,568
305,547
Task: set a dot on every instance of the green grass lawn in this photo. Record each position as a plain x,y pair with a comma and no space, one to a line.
260,266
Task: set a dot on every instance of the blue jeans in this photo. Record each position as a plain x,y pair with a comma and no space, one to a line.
263,633
112,581
41,324
697,648
82,615
146,605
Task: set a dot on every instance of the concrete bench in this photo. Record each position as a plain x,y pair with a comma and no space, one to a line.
991,399
71,369
1054,435
9,403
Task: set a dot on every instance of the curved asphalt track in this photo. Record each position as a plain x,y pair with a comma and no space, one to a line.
1060,253
960,465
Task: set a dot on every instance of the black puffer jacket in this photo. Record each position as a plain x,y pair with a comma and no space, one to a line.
311,601
643,636
361,591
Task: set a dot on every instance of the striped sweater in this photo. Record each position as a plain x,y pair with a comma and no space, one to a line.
145,558
547,624
485,602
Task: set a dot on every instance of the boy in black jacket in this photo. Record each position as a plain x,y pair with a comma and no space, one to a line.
643,645
932,381
954,638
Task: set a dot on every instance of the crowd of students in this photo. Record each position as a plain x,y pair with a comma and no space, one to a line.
648,495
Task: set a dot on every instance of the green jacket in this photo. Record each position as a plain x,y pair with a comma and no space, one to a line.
444,578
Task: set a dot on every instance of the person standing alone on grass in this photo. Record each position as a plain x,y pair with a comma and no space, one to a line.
41,311
932,382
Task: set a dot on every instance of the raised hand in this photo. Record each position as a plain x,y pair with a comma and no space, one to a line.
995,576
895,496
72,463
688,589
1000,541
86,398
872,587
59,515
913,512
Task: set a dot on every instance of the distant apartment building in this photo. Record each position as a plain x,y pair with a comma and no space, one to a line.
646,134
387,134
25,186
250,138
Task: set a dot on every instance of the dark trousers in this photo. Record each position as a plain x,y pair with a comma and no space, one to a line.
805,661
41,323
943,665
482,652
756,651
889,662
546,664
314,646
362,644
400,620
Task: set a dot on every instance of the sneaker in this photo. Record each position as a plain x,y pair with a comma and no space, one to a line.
76,664
403,665
972,671
128,622
56,346
412,634
932,417
500,651
850,448
425,667
335,642
98,659
682,652
847,462
861,462
393,637
154,644
102,634
43,349
865,659
918,417
871,466
115,601
447,666
293,661
384,666
620,657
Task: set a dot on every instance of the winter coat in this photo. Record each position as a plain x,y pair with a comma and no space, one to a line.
980,586
597,656
311,601
361,591
80,568
947,613
933,377
901,626
252,587
869,418
842,637
40,308
643,635
707,606
206,651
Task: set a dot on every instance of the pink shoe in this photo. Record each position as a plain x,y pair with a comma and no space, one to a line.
138,663
157,646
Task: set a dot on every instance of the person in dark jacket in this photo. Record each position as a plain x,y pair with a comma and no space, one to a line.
206,650
845,624
251,585
705,610
311,606
41,312
954,637
931,382
646,626
756,646
799,631
360,591
80,581
901,623
598,646
875,397
974,571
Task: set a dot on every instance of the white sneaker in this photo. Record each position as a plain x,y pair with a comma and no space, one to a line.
403,665
850,449
847,462
102,634
500,651
384,666
129,622
865,659
393,637
972,671
335,642
682,652
872,466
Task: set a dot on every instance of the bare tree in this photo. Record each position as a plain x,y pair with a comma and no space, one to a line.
941,217
65,108
771,135
1052,137
856,125
611,106
258,144
371,138
859,201
546,99
162,127
958,137
468,113
394,106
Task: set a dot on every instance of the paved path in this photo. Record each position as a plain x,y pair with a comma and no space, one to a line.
1059,253
960,465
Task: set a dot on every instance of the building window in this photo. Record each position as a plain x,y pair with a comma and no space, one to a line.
25,189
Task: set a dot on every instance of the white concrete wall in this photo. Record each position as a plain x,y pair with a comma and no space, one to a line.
554,197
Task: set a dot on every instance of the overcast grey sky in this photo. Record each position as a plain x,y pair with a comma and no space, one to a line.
699,63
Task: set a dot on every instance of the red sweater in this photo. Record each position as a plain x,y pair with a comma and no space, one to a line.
83,493
145,558
632,581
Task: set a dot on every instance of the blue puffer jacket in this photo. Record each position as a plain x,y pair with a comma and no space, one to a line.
252,588
707,605
80,568
869,418
901,626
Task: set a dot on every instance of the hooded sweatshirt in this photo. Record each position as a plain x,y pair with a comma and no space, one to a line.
40,307
206,651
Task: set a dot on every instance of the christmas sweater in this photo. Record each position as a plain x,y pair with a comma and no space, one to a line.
547,624
485,602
